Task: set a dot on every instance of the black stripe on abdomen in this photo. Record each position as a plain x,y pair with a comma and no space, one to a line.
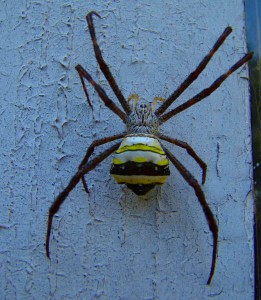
133,168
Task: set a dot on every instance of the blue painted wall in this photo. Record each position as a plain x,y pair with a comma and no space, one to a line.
111,244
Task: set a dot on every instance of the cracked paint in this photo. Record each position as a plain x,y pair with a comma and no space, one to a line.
110,244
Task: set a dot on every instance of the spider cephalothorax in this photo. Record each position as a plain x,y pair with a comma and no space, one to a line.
141,161
142,118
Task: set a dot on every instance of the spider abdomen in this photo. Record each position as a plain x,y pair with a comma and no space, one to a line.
140,163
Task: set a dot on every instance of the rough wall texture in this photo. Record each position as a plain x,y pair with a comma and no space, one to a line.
111,244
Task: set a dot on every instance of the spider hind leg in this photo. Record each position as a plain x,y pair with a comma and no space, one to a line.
212,223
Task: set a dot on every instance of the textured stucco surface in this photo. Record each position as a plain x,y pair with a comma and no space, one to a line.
111,244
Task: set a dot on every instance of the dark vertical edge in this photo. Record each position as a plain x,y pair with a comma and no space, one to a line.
253,35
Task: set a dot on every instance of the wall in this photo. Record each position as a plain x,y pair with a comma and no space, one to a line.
111,244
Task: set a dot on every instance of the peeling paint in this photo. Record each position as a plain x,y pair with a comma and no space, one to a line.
110,244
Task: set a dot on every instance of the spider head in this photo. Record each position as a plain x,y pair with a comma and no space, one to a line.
142,118
143,110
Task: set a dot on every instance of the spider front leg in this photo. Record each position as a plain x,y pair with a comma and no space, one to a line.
201,198
190,151
206,92
194,75
86,168
102,94
91,148
105,69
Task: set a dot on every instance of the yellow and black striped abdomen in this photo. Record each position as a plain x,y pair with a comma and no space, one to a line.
140,163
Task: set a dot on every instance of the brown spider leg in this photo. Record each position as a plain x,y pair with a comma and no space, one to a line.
89,166
194,75
190,151
206,92
201,198
85,90
106,100
105,69
91,149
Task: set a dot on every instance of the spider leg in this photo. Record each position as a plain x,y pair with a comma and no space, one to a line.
91,149
190,151
105,69
86,168
201,198
85,89
194,75
206,92
107,101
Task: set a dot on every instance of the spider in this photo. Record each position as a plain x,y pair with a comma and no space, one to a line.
141,161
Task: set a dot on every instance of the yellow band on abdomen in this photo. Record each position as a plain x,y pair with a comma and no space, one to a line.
139,179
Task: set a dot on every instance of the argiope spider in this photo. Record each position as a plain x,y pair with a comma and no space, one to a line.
141,161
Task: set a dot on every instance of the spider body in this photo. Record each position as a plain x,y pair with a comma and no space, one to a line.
141,160
140,163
